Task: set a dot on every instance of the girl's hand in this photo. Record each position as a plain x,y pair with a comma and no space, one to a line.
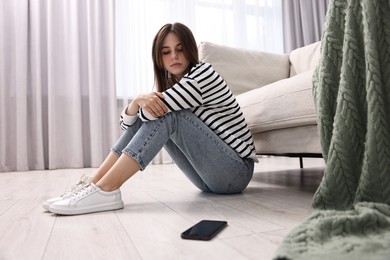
150,102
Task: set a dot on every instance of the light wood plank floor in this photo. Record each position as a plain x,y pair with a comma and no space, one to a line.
160,203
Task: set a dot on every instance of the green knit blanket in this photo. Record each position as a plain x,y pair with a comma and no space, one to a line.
351,208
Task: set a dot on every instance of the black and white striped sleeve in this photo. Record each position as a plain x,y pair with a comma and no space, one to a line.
185,94
125,120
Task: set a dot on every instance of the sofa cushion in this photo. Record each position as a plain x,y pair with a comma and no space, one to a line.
283,104
242,69
305,58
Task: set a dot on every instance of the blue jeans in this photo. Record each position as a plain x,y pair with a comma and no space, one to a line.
207,161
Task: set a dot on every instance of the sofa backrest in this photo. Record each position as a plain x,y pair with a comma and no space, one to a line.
243,69
305,58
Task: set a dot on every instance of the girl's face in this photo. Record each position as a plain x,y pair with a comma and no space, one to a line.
173,57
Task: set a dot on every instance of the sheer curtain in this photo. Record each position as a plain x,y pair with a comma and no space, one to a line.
57,83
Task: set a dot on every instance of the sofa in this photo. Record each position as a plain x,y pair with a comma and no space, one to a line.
275,94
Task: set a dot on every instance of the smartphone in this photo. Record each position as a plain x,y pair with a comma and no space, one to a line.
204,230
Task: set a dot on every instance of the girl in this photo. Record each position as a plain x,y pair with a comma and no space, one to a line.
193,114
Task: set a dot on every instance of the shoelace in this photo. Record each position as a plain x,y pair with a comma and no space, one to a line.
83,192
83,182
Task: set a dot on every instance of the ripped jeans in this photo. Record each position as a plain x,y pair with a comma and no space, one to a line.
206,160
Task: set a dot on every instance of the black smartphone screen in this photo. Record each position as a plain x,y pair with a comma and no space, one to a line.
204,230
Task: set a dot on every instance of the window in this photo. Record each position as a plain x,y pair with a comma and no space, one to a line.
252,24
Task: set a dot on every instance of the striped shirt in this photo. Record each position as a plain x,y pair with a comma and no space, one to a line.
207,95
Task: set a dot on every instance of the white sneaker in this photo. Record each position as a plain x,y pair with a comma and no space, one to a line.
89,199
84,181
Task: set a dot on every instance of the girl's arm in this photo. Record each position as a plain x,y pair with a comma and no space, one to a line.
181,96
151,102
188,92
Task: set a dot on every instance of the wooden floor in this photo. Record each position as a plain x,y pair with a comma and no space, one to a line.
160,203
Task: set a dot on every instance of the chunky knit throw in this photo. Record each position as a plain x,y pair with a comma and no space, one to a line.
351,208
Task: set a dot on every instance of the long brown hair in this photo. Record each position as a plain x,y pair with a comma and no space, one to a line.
190,50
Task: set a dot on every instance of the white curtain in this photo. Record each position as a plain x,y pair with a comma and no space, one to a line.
57,83
254,24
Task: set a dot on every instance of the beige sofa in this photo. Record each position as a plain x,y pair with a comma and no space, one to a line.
275,94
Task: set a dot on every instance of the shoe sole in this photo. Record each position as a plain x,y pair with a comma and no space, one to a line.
46,206
86,210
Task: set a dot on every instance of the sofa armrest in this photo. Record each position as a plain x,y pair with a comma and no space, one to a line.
305,58
243,69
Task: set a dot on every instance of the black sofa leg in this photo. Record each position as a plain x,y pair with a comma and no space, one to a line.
301,162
